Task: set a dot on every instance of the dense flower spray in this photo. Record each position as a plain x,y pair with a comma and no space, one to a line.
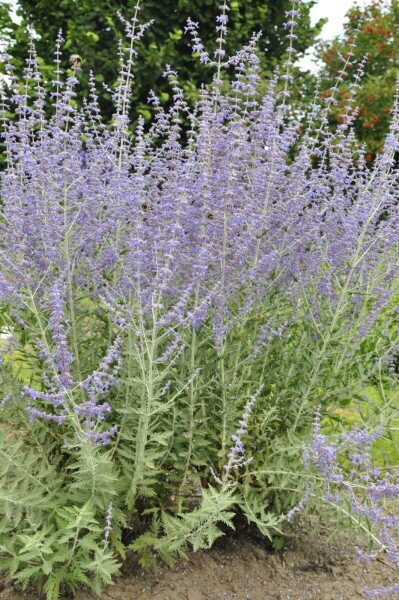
162,282
360,493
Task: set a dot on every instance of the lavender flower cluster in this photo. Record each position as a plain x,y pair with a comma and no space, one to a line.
236,454
350,479
147,225
141,266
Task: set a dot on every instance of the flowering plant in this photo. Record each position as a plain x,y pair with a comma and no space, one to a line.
177,303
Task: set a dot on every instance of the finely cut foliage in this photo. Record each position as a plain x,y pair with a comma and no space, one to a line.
176,304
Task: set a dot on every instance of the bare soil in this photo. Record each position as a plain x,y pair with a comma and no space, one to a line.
244,568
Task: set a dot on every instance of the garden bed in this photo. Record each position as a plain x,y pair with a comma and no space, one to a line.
242,568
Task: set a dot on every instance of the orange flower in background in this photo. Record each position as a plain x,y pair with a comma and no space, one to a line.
377,45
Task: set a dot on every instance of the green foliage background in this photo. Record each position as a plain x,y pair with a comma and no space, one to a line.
378,40
92,30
